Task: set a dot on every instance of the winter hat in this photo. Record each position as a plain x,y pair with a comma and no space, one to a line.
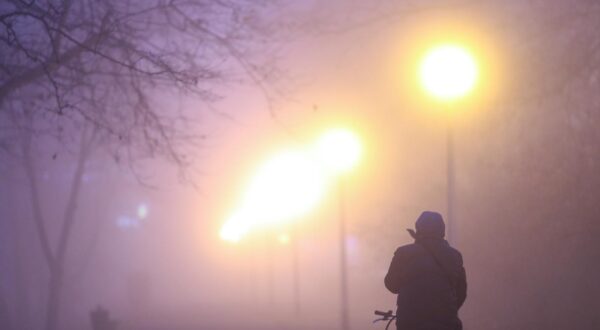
430,224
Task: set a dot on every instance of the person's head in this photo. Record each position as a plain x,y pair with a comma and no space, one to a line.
430,224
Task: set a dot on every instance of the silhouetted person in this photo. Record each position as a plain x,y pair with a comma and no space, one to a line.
429,278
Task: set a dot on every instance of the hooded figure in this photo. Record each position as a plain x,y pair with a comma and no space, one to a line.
429,278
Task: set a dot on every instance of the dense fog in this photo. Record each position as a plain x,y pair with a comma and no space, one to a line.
130,131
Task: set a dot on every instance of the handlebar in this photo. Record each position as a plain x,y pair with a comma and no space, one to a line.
386,315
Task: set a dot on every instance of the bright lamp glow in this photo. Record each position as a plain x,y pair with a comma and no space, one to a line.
448,72
236,227
286,187
339,150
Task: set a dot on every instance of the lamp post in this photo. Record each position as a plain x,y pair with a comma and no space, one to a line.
449,72
295,271
344,323
292,239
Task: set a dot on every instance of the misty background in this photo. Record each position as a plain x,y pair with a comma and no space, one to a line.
129,128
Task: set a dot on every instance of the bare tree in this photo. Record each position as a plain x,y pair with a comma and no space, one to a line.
101,61
92,74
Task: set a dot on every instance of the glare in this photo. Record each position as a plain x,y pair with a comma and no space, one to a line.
286,187
236,227
448,72
283,239
339,150
291,184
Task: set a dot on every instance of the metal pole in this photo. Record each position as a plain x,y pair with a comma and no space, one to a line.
344,325
296,270
450,225
270,269
255,276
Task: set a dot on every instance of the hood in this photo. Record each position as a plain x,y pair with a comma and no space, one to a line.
430,225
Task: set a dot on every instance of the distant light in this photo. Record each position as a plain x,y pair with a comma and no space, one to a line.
283,239
339,149
124,222
448,72
142,211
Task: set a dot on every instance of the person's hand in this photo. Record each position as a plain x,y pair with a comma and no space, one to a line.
412,233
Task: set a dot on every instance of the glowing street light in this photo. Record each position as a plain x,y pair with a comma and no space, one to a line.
448,73
292,183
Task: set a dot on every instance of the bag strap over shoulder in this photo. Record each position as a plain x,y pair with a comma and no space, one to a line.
447,273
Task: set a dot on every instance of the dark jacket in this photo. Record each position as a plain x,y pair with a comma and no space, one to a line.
429,294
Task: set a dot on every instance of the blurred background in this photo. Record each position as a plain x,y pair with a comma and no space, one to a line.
254,164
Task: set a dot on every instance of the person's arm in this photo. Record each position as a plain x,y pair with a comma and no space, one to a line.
461,285
393,278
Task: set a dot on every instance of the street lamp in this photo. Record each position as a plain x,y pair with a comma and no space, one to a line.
340,151
448,73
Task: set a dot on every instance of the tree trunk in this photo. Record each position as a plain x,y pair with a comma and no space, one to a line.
54,297
22,300
56,258
55,285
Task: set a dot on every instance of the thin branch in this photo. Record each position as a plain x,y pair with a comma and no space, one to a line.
42,69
